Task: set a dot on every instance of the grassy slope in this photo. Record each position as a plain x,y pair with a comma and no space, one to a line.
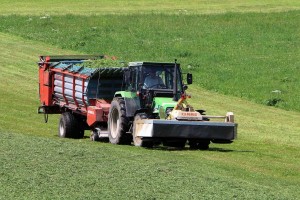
246,55
262,164
92,7
19,85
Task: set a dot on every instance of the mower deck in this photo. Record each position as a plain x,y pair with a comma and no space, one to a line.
186,129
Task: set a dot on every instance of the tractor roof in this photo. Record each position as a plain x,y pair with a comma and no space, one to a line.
140,63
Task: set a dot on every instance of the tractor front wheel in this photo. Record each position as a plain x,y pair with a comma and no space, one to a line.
138,141
177,143
202,144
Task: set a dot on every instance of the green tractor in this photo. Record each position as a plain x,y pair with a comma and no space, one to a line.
153,110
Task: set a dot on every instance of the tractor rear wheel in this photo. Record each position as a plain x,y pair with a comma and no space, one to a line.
118,123
138,141
69,126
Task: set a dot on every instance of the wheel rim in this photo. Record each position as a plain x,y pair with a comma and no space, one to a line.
114,123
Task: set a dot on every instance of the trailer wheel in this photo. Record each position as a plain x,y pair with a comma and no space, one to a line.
69,127
118,123
137,141
94,136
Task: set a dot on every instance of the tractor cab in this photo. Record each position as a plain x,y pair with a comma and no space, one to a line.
157,78
154,83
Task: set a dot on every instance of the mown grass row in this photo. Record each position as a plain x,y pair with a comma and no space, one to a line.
252,55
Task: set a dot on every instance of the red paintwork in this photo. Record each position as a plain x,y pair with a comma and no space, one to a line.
45,83
69,73
98,113
46,86
74,85
94,110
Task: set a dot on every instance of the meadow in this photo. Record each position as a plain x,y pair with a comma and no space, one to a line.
251,55
238,52
103,7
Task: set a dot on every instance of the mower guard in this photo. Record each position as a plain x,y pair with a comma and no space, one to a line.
155,128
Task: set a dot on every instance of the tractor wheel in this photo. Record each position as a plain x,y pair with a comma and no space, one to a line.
193,144
137,141
199,144
69,126
177,143
203,144
118,123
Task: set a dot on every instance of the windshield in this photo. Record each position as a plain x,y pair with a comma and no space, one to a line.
160,77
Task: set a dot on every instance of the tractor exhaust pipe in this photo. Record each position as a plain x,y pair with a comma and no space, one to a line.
175,82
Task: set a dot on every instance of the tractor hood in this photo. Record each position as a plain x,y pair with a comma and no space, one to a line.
161,104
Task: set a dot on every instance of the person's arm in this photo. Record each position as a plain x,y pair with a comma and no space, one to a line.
146,83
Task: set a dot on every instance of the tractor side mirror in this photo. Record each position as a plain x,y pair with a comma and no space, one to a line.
189,78
185,87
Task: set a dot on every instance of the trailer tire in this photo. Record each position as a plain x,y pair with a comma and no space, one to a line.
69,127
94,136
118,123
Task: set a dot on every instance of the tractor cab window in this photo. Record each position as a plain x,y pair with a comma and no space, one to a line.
153,79
132,80
160,77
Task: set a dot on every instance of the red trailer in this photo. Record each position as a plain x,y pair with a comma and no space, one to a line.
76,92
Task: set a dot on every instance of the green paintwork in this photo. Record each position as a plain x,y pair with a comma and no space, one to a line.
161,103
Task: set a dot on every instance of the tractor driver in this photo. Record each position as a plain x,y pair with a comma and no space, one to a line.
153,81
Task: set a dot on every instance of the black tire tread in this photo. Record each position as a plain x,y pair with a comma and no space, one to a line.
122,137
71,125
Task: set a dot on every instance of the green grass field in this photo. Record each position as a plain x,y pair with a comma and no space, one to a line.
247,55
103,7
248,48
